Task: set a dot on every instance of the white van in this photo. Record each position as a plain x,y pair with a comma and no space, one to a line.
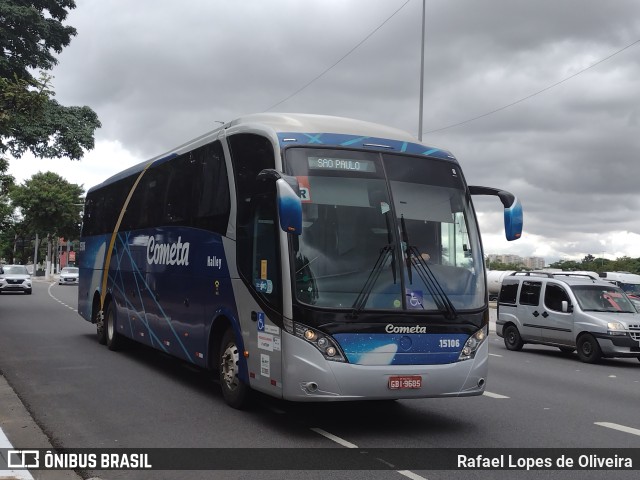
568,311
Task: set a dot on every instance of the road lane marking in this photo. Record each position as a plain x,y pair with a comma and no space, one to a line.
332,437
345,443
410,474
11,474
59,301
621,428
494,395
494,355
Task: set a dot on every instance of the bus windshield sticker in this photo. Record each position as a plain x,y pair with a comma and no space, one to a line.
414,299
304,188
263,286
263,269
260,316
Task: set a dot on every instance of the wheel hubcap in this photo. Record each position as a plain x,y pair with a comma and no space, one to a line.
229,366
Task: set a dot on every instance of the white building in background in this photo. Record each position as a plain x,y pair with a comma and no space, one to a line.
532,263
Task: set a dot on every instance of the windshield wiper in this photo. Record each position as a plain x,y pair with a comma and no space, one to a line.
429,279
414,258
374,274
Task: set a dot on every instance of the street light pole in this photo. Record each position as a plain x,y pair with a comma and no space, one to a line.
421,72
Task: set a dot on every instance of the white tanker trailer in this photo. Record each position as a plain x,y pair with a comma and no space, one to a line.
494,281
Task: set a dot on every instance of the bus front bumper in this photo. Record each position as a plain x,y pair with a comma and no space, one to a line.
308,376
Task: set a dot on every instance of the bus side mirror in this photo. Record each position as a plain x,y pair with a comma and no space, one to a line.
512,209
288,198
289,206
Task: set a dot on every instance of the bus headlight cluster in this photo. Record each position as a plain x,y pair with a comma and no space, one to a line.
324,343
473,343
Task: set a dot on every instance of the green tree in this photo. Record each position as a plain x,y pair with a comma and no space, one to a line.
497,265
6,182
49,204
30,119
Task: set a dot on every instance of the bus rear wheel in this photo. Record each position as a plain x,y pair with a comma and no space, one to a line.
101,332
234,392
113,339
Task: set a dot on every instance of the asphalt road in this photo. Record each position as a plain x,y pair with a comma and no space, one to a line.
83,395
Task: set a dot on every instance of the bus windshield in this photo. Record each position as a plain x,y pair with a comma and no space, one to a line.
384,232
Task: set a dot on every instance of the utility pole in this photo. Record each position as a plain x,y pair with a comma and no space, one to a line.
421,72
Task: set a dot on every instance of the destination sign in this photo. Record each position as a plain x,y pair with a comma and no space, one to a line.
332,163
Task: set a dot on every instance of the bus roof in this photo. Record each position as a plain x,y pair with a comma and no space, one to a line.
308,129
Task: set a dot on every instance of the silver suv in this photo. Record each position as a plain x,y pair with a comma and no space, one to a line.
15,278
571,312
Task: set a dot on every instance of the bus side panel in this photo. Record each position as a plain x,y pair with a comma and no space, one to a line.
91,263
167,284
263,340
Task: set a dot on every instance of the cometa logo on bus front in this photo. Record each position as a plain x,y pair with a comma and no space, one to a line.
390,328
176,253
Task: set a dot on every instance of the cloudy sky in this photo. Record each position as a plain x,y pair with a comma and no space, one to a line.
159,72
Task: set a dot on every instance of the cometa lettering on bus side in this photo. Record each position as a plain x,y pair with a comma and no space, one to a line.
390,328
176,253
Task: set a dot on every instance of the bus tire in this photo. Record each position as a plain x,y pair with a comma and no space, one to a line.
101,331
588,349
113,339
512,339
234,392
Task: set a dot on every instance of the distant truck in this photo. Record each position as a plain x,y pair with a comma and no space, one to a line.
629,282
494,281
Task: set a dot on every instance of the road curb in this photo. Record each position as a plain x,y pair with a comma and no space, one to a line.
23,432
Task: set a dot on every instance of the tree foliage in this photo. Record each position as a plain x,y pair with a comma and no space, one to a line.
593,264
497,265
50,205
6,182
30,119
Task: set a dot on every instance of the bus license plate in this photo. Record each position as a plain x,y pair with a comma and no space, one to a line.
399,382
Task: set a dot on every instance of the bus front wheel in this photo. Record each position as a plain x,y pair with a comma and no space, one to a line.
235,393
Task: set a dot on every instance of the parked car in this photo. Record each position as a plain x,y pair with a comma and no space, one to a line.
69,276
15,278
569,311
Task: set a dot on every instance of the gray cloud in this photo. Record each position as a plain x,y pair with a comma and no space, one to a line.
161,72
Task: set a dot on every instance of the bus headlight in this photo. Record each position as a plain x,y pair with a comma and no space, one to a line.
324,343
473,343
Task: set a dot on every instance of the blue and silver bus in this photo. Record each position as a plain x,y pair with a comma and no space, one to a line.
308,257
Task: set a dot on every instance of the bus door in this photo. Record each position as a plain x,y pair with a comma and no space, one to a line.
259,293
